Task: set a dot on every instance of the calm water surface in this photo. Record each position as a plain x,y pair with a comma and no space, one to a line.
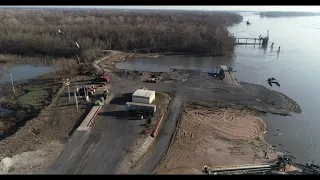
29,70
296,67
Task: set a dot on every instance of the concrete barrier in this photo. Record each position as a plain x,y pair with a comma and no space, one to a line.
86,123
157,127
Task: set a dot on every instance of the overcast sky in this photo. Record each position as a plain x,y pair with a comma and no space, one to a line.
246,8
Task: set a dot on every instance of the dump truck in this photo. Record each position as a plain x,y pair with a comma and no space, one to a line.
140,109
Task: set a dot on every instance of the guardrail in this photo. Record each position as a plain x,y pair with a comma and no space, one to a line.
157,127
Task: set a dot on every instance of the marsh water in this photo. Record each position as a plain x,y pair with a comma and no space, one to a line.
29,70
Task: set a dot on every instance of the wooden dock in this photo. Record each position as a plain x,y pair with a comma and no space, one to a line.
251,41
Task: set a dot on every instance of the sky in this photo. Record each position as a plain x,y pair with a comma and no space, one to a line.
243,8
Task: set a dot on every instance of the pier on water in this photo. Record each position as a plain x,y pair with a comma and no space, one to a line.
253,41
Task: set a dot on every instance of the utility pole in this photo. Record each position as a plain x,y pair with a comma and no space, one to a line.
75,96
67,83
14,92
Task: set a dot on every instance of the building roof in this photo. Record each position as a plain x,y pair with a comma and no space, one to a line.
143,93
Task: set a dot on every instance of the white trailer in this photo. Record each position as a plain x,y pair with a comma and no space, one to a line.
143,96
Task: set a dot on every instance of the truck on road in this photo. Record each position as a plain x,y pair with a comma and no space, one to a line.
140,109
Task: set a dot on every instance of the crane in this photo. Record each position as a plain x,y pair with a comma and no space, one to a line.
71,42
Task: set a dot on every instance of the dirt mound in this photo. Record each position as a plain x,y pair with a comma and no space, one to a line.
217,137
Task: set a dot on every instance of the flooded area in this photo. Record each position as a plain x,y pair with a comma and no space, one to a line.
296,68
29,70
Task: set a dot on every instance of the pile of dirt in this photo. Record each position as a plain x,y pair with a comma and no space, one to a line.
217,137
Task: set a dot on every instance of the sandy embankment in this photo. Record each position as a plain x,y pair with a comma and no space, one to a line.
216,137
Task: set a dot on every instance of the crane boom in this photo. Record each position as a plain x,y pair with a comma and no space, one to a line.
71,42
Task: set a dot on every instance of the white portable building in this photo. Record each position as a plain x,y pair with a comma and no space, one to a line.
143,96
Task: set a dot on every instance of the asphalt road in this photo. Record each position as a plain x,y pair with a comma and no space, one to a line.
102,150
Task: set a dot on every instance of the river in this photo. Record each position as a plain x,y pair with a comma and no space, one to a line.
296,67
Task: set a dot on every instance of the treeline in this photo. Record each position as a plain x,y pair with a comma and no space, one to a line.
286,14
35,32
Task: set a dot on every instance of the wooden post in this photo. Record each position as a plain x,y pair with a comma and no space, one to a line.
69,93
246,41
75,96
238,41
14,92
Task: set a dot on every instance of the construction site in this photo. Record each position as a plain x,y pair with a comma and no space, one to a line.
119,121
131,122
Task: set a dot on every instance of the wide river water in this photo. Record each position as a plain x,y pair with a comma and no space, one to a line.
296,67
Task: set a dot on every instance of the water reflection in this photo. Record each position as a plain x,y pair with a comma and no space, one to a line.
31,69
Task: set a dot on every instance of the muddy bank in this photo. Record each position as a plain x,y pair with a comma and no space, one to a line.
272,101
189,81
216,136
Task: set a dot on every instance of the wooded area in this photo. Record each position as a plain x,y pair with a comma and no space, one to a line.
35,32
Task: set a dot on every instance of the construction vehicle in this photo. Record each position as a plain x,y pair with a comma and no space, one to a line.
102,77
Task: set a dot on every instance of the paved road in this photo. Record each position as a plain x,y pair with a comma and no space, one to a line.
102,150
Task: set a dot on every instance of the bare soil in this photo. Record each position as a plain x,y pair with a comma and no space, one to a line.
216,136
